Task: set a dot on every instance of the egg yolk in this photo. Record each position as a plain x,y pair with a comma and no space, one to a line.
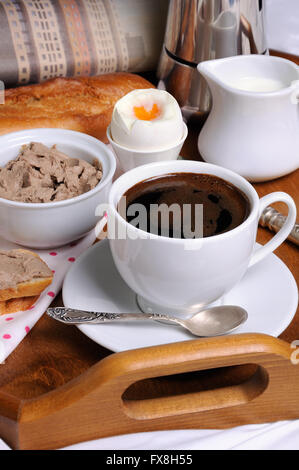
144,115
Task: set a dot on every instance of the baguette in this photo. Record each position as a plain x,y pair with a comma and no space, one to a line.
33,287
83,104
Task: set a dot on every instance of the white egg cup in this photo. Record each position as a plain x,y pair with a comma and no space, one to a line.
131,158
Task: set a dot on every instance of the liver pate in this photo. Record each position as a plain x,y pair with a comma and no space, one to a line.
18,266
42,174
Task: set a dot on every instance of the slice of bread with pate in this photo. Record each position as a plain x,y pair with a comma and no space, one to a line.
22,274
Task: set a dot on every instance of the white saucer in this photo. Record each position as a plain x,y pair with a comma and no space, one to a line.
268,292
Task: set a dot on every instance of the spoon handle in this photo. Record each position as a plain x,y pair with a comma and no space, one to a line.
72,316
274,221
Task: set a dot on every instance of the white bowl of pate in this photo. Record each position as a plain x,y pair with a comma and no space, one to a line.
61,221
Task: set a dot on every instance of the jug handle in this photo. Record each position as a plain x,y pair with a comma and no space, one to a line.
285,230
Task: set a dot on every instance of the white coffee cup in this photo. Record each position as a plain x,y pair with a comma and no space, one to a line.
171,275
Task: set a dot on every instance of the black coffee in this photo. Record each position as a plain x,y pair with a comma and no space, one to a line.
224,206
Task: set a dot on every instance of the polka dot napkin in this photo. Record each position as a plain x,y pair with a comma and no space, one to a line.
14,327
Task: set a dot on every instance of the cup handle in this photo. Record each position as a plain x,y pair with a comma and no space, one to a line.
283,233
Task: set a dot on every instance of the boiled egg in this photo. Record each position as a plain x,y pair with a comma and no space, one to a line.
147,119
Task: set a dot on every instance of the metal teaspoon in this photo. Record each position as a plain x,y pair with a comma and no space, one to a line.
213,321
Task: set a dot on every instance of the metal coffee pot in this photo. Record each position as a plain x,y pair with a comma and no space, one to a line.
200,30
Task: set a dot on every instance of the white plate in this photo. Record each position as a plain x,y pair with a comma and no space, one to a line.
268,292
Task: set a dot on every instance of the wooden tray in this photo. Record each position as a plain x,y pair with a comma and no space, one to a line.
205,383
58,387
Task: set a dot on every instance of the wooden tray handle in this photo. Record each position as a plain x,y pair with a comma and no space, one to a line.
99,402
198,355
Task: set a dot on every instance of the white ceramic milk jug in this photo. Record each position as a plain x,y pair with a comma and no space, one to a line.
253,127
